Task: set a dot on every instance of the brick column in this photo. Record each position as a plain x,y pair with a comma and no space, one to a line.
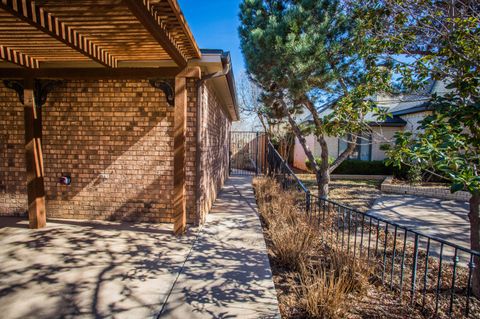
34,158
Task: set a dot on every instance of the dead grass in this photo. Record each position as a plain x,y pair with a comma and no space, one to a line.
322,293
292,242
291,237
359,194
316,278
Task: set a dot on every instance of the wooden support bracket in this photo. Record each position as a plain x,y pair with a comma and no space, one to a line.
167,88
41,89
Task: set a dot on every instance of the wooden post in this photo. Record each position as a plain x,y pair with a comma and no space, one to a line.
34,158
180,127
179,145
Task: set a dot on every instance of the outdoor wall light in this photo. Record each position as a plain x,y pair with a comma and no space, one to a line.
65,179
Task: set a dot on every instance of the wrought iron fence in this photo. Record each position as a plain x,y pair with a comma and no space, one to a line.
428,272
247,153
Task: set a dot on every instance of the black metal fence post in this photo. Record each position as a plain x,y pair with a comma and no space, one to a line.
307,201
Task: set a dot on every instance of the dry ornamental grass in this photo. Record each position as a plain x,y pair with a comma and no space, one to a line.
317,277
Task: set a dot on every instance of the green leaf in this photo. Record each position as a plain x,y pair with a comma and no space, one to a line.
456,187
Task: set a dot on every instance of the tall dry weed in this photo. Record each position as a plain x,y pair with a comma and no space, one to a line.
357,271
291,236
321,292
292,242
275,204
324,285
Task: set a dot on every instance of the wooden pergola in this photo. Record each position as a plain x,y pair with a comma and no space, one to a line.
49,40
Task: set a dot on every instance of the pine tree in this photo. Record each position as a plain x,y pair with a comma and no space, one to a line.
303,53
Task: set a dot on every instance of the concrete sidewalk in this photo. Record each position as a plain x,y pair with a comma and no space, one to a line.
227,274
81,269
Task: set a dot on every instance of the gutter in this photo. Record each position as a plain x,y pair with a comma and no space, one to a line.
401,123
198,156
387,124
416,109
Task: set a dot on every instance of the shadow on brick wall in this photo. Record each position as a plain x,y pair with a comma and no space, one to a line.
115,140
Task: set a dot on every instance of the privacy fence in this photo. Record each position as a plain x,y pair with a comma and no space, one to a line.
428,272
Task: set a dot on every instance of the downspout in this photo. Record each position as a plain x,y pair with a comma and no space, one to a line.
199,140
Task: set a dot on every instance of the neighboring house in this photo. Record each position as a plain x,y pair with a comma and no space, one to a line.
407,111
110,122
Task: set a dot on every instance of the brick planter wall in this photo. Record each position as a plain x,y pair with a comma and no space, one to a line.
435,192
357,177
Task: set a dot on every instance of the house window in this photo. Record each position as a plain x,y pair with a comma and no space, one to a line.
363,150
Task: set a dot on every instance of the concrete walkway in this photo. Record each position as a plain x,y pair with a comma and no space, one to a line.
444,219
227,274
74,269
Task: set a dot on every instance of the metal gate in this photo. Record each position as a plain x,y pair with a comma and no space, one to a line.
247,153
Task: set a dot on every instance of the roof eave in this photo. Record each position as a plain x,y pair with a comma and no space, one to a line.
220,61
416,109
232,86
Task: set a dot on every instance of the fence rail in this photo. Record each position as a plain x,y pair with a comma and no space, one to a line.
426,271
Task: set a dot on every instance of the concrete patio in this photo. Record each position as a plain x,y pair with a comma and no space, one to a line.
74,269
87,270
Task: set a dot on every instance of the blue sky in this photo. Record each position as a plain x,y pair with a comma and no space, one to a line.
214,25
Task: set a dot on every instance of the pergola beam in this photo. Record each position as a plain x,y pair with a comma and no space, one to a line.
37,17
13,56
89,73
152,22
183,23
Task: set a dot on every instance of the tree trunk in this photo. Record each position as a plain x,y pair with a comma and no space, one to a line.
324,169
265,125
474,217
303,142
323,174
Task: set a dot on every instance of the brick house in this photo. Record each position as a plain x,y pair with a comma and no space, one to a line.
406,110
109,111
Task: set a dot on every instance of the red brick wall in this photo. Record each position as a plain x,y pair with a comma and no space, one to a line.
115,139
190,158
13,199
215,149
